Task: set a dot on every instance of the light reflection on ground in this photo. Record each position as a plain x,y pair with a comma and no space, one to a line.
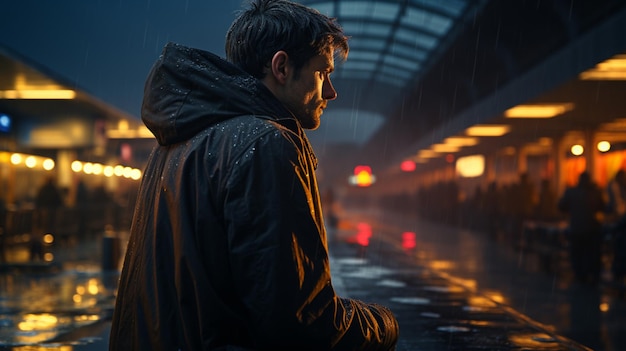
38,307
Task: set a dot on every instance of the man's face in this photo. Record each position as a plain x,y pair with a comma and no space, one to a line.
308,94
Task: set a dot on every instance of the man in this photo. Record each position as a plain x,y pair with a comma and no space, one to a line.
228,247
585,204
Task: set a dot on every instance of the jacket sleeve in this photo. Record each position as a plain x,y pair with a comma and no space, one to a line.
279,258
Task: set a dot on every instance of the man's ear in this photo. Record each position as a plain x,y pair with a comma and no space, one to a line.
280,67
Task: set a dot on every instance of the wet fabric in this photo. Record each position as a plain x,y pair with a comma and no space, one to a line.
228,246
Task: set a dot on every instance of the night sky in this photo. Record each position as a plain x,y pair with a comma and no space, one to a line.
106,48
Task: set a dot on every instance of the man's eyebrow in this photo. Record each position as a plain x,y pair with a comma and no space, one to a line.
330,66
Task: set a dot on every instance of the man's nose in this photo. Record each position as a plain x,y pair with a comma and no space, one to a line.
328,91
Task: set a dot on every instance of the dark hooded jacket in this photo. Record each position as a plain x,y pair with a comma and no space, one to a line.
227,249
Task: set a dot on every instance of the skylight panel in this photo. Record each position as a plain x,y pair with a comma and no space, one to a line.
398,82
362,55
385,11
400,49
360,65
428,21
362,9
402,63
452,7
377,30
419,39
353,28
356,74
396,72
369,44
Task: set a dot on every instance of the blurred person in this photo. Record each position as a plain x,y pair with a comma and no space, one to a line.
228,249
492,210
616,207
546,208
82,205
616,196
48,203
584,203
524,199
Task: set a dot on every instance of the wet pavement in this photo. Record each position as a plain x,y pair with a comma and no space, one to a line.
450,289
63,302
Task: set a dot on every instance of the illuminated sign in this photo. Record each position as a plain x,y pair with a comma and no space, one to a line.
362,177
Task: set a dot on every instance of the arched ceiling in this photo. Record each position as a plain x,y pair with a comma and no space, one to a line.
392,44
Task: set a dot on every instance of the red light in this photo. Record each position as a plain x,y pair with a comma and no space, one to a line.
449,158
360,169
362,176
407,166
364,233
408,240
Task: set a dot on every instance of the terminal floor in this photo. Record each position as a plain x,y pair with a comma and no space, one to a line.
450,289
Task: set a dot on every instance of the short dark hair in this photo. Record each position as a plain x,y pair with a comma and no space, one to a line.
269,26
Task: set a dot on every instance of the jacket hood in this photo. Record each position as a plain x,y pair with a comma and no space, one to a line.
189,89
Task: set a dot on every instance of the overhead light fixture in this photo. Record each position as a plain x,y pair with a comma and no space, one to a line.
461,141
444,148
60,94
471,166
603,146
426,153
611,69
488,130
539,110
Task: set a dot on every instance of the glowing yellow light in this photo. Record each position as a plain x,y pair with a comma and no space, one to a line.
577,150
488,130
92,286
48,238
48,164
135,174
16,159
80,290
481,302
77,298
108,171
127,172
611,69
122,124
441,265
88,168
495,296
48,257
144,132
97,169
61,94
538,111
118,170
461,141
363,178
470,166
30,161
604,146
427,154
444,148
604,307
77,166
41,321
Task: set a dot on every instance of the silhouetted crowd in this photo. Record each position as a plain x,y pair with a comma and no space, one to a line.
587,221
